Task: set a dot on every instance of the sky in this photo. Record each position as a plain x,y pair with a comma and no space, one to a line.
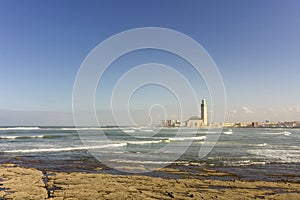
255,45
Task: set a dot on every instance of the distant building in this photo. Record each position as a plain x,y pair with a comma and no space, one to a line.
171,123
193,122
204,112
228,124
166,123
254,124
197,122
241,124
183,123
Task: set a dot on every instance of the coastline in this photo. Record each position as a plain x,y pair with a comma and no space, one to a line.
30,183
247,164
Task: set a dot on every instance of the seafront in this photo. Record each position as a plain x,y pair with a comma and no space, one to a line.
149,100
29,183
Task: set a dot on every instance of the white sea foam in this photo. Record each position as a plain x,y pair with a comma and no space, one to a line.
278,155
147,130
187,138
142,161
8,137
78,129
38,136
261,145
229,132
128,131
286,133
68,129
65,149
157,162
144,142
108,145
20,128
244,163
18,136
86,128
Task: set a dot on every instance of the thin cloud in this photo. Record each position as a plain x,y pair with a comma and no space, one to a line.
247,110
295,108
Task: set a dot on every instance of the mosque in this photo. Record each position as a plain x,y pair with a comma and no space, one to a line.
193,122
197,122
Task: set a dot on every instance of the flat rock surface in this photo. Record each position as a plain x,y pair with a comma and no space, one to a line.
23,183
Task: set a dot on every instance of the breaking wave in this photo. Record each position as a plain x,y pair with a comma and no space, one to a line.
187,138
19,128
144,142
286,133
64,149
21,137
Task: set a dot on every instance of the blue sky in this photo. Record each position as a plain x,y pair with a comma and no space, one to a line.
255,44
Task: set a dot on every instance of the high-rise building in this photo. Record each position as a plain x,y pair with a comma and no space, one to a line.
204,112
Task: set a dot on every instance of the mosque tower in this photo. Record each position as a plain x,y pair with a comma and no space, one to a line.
204,112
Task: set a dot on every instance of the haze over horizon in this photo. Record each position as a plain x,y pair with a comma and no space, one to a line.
255,45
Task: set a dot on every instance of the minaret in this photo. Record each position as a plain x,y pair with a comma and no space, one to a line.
204,112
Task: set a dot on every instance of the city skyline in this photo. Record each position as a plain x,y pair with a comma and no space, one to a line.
199,121
254,44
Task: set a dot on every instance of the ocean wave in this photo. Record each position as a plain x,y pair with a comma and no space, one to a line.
68,129
147,130
124,129
144,142
286,133
85,128
56,136
278,155
21,137
229,132
33,136
45,150
64,149
158,162
187,138
128,131
163,139
20,128
243,163
140,161
79,129
261,145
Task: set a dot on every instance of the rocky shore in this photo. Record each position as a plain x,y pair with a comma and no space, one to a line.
29,183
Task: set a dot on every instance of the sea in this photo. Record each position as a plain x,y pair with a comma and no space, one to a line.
270,154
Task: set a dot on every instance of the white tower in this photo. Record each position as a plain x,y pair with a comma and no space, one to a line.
204,112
